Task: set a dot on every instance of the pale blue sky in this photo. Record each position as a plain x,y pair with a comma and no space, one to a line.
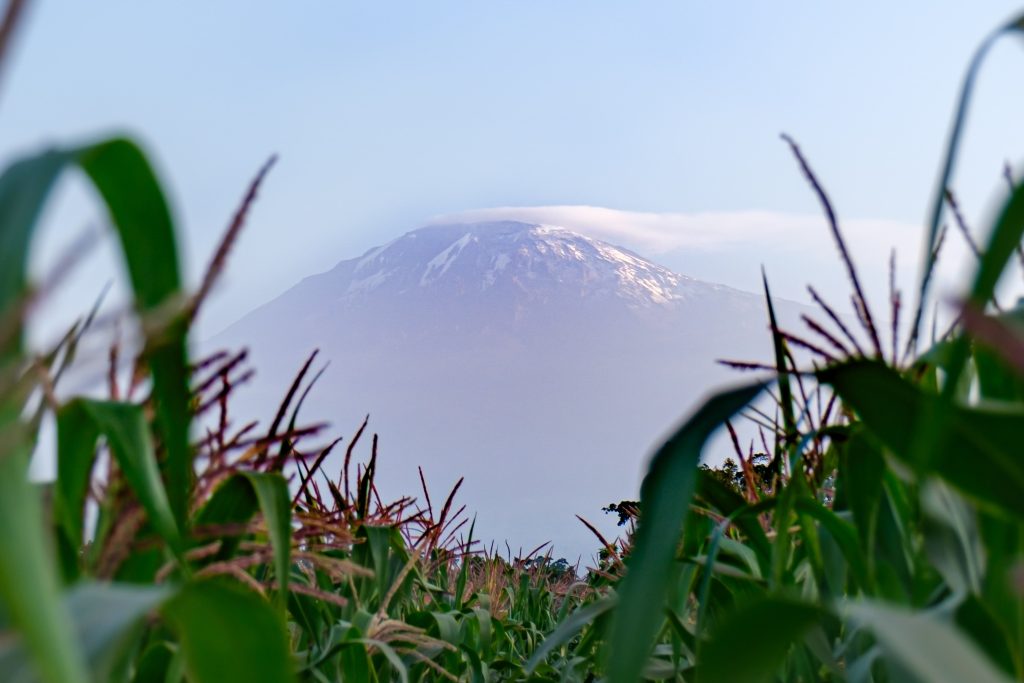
387,113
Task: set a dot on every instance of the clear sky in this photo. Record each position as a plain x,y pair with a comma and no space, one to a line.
388,113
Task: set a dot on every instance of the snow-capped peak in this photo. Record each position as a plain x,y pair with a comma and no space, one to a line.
509,255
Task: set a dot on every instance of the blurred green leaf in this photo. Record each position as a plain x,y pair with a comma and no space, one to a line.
975,619
948,165
138,209
979,454
24,188
951,538
843,533
665,497
921,644
106,620
753,641
79,423
860,485
28,582
229,635
123,177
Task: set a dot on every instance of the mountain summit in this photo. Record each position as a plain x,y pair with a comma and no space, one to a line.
528,260
541,364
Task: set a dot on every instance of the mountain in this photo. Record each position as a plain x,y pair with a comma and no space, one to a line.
541,364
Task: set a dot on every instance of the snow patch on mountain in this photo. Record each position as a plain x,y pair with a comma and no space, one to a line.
485,256
440,264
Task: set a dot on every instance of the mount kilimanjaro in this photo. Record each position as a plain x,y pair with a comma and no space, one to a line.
541,364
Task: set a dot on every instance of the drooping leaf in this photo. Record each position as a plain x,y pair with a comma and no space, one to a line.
122,175
28,581
139,212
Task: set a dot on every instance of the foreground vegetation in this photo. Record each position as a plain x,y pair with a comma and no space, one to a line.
876,532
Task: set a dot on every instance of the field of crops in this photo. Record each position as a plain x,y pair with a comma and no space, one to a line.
875,532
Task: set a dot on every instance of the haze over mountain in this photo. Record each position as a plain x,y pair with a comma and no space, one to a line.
541,364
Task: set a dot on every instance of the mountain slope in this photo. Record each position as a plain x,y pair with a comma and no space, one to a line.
541,364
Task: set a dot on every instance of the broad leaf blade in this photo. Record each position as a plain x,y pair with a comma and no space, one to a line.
139,212
229,634
28,583
124,426
754,640
932,650
665,497
979,454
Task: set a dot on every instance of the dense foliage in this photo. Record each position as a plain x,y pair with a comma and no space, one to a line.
876,532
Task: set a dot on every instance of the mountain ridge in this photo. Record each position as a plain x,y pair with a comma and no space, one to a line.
524,352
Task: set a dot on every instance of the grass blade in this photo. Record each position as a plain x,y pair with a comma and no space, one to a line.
568,629
272,493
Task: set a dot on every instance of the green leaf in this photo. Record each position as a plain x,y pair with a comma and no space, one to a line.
460,582
77,434
949,163
79,423
106,620
860,483
138,209
568,629
1004,546
28,584
753,641
665,497
920,644
951,538
24,187
272,493
785,391
978,622
229,635
843,533
712,491
978,456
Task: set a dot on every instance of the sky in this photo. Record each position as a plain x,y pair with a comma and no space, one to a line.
387,115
